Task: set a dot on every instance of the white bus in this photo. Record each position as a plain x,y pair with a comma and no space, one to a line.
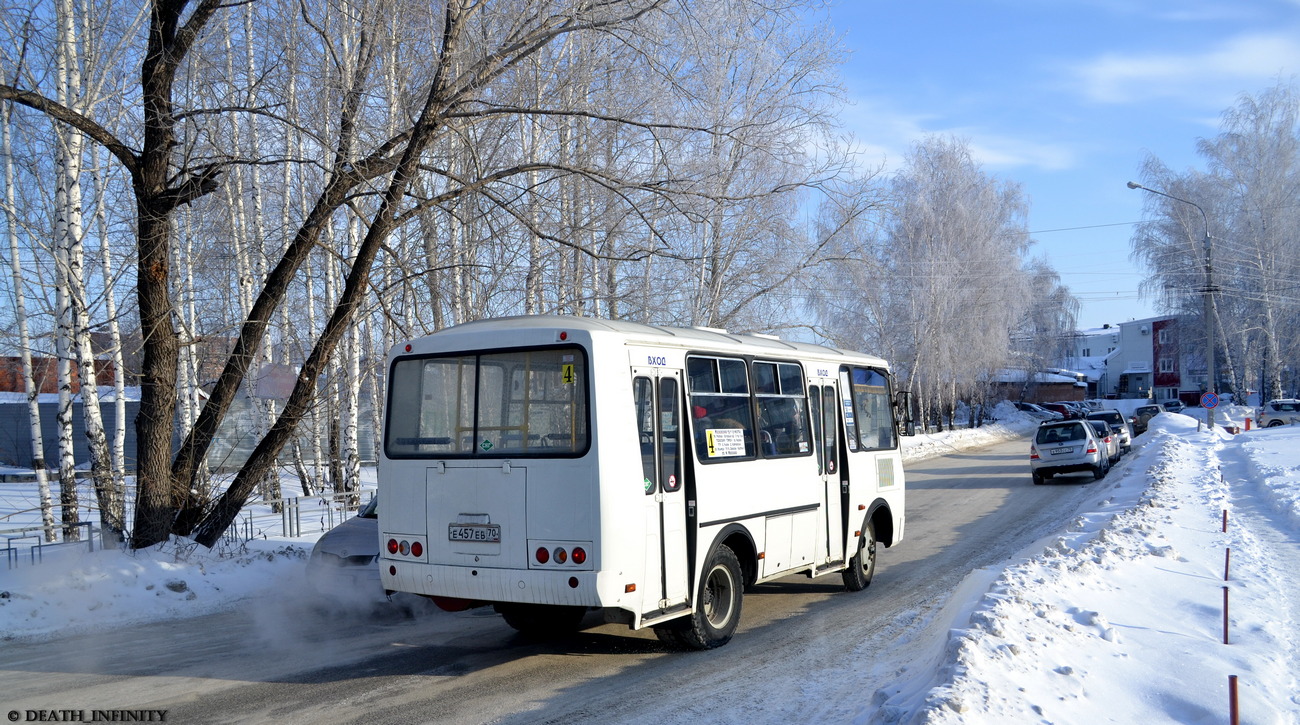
549,466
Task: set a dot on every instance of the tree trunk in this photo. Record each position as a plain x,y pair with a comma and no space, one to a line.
30,390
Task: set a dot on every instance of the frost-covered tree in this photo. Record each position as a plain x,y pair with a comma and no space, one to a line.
938,281
1247,193
639,157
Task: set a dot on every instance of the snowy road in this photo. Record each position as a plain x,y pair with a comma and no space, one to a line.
278,660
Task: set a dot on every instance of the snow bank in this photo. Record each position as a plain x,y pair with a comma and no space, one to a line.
1121,617
1010,423
74,591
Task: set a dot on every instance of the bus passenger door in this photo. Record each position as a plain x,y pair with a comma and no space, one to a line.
658,397
823,409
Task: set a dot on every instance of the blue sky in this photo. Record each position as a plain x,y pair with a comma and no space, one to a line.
1066,97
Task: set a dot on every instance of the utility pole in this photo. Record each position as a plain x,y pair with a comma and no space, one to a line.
1211,312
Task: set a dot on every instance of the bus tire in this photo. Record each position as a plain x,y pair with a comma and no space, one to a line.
717,607
541,620
862,565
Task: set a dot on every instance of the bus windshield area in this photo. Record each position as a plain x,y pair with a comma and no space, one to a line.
489,405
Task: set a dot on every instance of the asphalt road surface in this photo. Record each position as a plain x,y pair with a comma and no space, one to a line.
806,650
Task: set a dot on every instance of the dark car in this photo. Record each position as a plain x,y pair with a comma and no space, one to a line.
1037,411
1173,406
1068,412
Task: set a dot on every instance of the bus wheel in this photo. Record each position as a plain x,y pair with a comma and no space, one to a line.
863,564
717,609
542,619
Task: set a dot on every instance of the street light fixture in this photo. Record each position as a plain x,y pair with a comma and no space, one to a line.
1211,313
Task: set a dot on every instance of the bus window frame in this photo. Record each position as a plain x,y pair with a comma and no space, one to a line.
781,394
751,442
477,453
847,399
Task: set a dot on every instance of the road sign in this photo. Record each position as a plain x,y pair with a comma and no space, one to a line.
1209,400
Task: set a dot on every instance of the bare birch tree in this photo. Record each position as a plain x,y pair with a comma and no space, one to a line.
1247,194
448,162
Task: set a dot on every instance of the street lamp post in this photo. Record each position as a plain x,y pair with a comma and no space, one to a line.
1211,313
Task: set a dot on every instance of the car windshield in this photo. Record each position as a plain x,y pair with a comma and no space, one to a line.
368,511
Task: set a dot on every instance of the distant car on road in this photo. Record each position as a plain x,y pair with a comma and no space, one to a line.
1283,411
1116,420
1109,438
1037,411
1067,411
1173,406
1142,416
1067,446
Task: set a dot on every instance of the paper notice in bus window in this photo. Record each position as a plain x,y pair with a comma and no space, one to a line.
725,442
566,374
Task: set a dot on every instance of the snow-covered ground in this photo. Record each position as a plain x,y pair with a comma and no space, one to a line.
1118,619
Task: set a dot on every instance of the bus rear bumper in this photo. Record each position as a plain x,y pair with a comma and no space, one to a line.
481,584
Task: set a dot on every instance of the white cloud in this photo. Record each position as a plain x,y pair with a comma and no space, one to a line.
882,134
1215,75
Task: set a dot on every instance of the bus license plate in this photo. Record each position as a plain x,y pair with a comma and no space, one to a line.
478,532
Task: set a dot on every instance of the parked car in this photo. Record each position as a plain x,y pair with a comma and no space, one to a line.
345,561
1038,411
1116,420
1109,438
1142,416
1067,446
1283,411
1078,406
1066,411
1173,406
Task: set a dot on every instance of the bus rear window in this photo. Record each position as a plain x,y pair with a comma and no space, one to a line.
497,404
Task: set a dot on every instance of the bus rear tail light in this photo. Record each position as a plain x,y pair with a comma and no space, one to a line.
405,547
559,553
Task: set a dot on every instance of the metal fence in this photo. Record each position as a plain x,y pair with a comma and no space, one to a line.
286,517
17,543
295,516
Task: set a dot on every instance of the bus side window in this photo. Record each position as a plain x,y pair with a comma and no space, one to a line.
644,404
875,414
722,412
782,409
669,397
